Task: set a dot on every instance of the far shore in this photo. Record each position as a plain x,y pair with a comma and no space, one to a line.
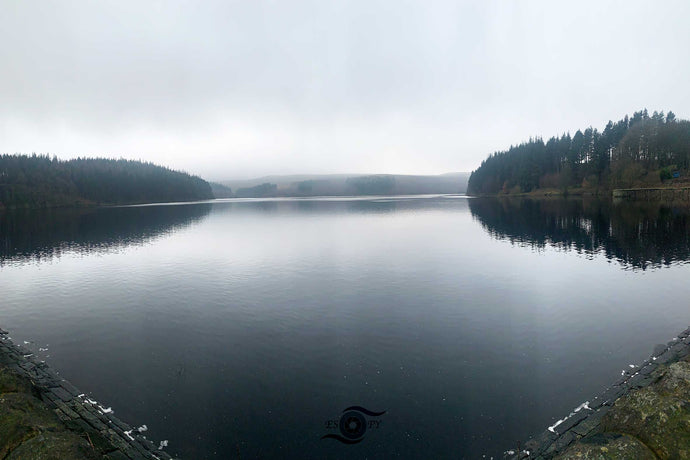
593,192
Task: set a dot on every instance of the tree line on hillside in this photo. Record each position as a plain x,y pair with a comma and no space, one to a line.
40,181
364,185
635,151
221,191
377,184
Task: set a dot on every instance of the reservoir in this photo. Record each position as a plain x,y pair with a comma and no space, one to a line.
243,328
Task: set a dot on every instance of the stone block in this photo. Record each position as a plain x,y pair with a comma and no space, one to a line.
640,381
140,447
49,398
15,367
90,418
53,375
116,440
79,424
543,441
69,388
46,382
648,369
571,421
613,393
27,366
97,424
61,415
119,423
594,402
61,393
659,349
560,444
64,408
134,454
116,455
683,350
592,422
665,357
148,445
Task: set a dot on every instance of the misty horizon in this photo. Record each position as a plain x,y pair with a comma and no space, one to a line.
237,178
244,90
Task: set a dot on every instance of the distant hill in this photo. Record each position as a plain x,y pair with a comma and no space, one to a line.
348,184
220,190
39,181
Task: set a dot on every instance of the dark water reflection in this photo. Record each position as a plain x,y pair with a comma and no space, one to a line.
638,235
42,234
39,235
238,328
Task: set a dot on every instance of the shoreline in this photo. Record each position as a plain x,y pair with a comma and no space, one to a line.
43,411
666,195
672,194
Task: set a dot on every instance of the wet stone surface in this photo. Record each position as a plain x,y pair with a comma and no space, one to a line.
644,415
44,416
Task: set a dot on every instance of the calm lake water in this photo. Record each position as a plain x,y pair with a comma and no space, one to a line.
243,328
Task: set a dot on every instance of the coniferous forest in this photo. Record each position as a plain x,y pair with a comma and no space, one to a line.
638,151
40,181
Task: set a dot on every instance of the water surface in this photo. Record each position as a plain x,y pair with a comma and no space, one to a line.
239,328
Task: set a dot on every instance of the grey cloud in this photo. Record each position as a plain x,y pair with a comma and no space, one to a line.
238,88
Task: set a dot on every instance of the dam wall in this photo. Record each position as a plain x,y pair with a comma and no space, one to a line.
107,436
586,430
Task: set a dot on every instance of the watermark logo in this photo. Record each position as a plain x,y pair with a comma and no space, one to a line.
353,424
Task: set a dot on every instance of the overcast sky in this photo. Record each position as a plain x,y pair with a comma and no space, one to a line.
236,89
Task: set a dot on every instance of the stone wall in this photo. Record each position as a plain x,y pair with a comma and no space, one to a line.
108,436
586,419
